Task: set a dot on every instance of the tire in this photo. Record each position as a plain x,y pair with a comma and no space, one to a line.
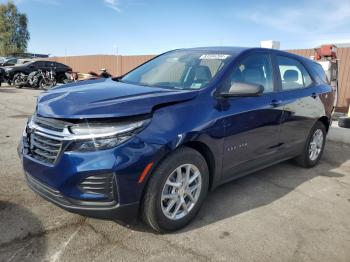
344,122
62,79
15,81
42,84
153,208
307,159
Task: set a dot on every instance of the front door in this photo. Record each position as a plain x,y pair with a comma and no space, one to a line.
252,124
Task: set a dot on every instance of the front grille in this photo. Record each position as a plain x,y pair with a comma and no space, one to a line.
98,184
43,148
44,139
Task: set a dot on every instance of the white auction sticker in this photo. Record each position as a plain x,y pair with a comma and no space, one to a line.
214,56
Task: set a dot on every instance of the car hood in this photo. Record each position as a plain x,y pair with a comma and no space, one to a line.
105,98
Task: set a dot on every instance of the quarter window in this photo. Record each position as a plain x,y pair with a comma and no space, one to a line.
293,73
321,73
255,69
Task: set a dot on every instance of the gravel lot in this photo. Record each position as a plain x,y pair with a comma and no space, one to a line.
283,213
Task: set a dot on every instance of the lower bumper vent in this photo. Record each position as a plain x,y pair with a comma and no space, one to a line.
99,184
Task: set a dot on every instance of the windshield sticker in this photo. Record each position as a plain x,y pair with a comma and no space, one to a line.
214,56
196,85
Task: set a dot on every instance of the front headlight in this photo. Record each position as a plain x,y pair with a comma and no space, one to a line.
98,136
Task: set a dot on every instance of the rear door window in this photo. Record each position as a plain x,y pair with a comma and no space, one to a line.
293,73
49,64
61,66
39,64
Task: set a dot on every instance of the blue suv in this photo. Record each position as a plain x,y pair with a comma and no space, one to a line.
154,141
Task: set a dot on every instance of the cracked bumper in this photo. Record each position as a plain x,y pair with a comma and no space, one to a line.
104,210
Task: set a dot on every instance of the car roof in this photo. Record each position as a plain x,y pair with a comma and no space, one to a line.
226,49
238,50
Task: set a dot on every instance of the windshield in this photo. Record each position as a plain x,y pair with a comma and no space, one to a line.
183,69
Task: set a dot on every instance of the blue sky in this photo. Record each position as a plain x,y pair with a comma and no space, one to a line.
77,27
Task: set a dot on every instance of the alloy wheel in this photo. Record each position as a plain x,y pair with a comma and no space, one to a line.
181,191
316,145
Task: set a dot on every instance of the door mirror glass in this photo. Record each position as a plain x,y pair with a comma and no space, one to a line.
239,89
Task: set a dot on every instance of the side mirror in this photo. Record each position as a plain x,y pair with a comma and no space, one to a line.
239,89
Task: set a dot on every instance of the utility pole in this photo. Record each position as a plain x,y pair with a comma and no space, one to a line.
116,53
65,55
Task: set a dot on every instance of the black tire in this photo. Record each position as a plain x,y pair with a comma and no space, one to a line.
15,81
344,122
152,204
62,79
42,84
304,158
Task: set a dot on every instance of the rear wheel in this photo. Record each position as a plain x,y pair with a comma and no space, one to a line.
176,190
314,146
43,84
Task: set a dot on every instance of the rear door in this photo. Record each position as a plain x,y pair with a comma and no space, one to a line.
49,65
252,124
301,102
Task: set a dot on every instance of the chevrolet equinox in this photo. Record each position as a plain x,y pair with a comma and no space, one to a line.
155,141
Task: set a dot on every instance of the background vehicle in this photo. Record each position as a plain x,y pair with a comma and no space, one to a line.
36,79
104,73
47,79
29,67
326,56
2,60
9,61
2,75
157,139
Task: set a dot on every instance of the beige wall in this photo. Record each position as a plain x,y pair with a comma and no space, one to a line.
118,65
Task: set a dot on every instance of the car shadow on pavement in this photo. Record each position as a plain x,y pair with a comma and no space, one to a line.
260,189
8,90
21,234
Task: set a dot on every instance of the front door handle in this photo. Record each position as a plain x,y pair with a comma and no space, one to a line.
314,95
275,102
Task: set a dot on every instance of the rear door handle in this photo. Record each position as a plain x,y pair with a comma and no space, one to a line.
314,95
275,102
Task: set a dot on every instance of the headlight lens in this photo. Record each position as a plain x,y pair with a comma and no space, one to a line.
98,136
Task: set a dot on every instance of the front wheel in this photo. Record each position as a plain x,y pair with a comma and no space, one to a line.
176,190
314,146
17,80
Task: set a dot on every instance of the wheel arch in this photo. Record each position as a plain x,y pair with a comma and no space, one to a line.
326,121
208,155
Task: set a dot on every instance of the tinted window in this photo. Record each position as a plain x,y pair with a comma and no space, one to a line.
11,62
255,69
39,64
59,65
293,73
50,64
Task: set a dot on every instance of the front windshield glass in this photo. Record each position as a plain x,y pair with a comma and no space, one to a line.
183,69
